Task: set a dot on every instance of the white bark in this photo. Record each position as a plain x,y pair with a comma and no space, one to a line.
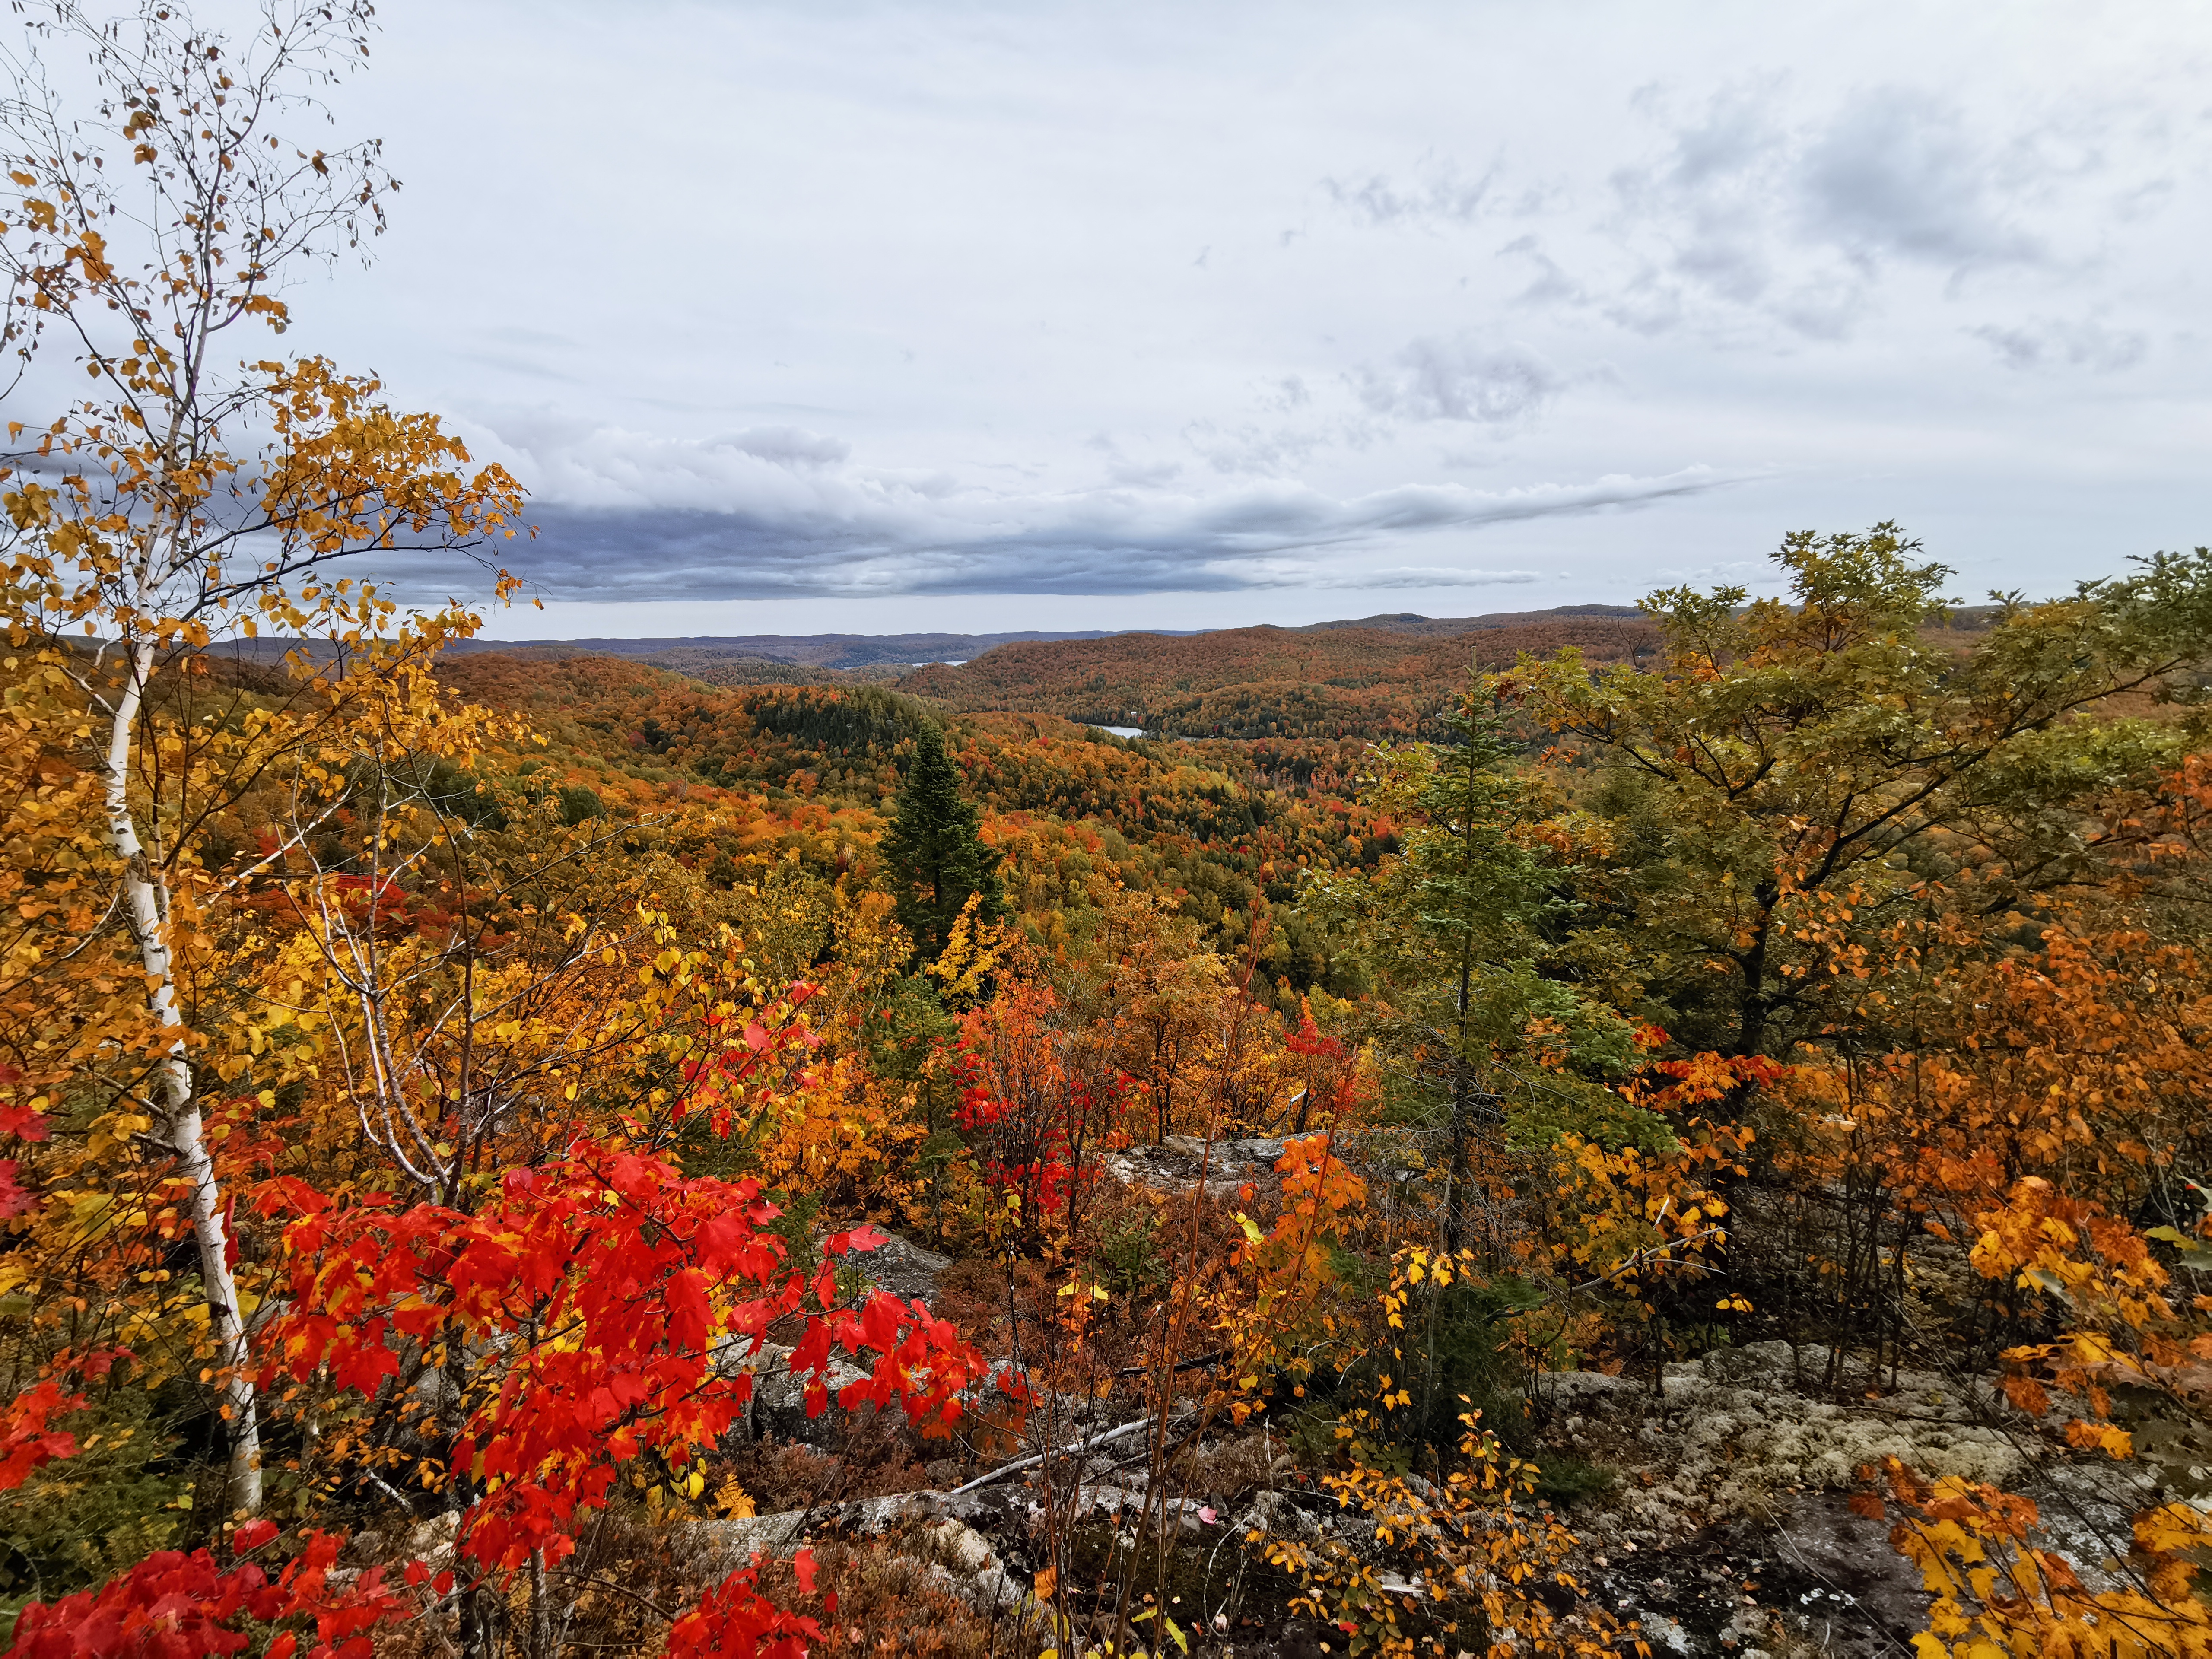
145,906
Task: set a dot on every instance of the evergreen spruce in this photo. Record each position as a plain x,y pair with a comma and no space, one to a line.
936,858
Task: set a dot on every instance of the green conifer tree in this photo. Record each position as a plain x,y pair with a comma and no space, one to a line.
936,858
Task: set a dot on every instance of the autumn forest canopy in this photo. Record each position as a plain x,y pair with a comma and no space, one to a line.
1597,1133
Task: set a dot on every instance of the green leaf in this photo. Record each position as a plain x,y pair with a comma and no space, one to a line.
2196,1253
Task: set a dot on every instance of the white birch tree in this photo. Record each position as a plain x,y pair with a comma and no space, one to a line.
158,209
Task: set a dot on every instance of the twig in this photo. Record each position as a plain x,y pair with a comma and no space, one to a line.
1642,1258
1080,1447
593,1582
1180,1365
1653,1253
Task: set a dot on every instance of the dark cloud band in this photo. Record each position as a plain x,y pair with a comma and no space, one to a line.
877,542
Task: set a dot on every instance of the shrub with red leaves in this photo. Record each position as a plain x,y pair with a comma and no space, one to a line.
174,1606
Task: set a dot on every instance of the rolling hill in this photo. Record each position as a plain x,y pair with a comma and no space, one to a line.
1331,681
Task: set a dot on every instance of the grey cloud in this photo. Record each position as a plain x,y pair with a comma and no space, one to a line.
788,446
1551,285
1748,213
1421,576
1440,194
626,516
567,459
1143,476
2045,343
1123,470
1897,171
1252,450
1459,380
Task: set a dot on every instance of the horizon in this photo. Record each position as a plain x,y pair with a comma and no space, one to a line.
1010,635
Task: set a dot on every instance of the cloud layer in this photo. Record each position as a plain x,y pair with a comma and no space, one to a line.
626,515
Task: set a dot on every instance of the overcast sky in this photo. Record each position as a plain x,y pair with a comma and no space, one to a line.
874,317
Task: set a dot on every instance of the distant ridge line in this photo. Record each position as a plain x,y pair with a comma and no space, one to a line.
1406,622
847,651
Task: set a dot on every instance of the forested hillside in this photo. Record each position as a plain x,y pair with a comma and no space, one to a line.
1221,831
1407,621
1687,1134
1263,682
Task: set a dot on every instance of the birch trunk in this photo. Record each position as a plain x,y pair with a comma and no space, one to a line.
145,906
